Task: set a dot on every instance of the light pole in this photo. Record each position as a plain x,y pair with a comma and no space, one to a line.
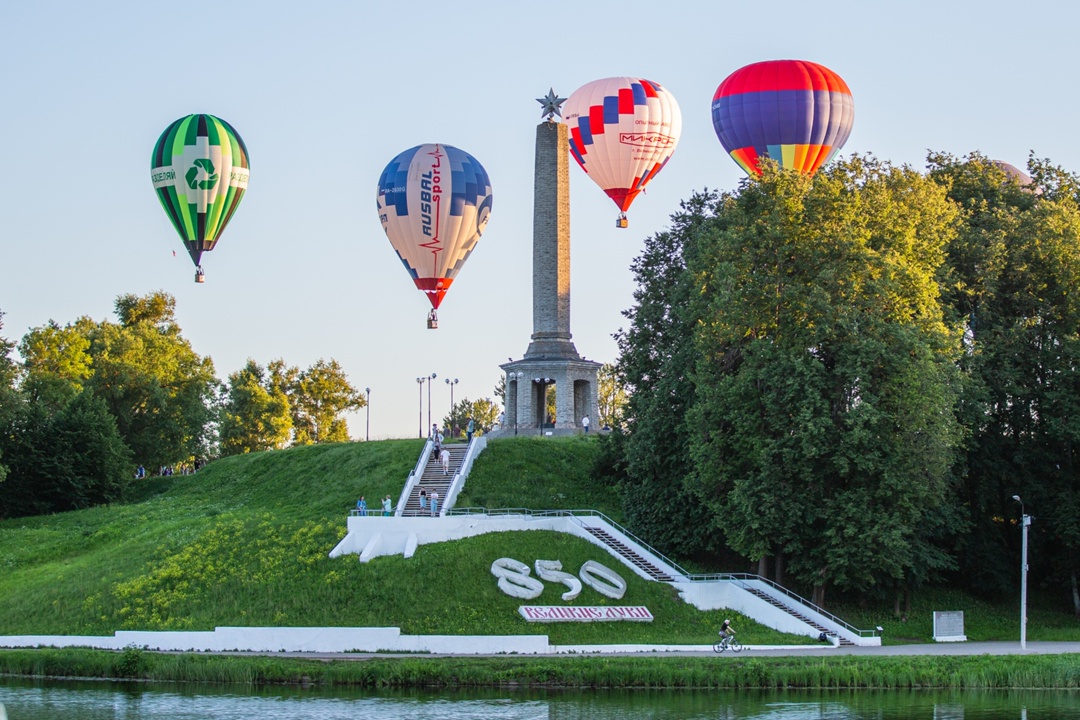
452,383
420,419
367,414
432,377
1025,521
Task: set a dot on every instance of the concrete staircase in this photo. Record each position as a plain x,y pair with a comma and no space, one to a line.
629,554
795,614
434,479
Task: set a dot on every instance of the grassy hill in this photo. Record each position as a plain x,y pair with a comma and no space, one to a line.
246,542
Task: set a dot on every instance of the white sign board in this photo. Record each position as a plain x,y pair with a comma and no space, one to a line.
949,626
556,613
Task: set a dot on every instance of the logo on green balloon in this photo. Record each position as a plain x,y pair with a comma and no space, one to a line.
207,167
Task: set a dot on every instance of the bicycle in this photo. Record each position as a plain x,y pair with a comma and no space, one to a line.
728,641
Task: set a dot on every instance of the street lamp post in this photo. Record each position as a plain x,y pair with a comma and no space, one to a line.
452,383
1025,521
432,377
420,418
367,414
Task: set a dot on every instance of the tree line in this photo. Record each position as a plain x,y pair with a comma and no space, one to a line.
849,377
89,401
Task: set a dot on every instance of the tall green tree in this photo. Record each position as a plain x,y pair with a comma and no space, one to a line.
255,414
611,396
56,363
8,367
62,459
484,413
656,359
8,373
159,390
1011,278
318,399
824,428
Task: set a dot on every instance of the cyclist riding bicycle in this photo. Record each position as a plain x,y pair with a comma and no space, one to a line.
726,630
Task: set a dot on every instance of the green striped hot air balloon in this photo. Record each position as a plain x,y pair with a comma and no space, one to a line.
200,173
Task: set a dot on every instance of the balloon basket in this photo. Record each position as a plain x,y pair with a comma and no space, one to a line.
200,276
432,321
621,221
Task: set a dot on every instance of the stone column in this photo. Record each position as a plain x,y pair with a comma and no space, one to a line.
551,244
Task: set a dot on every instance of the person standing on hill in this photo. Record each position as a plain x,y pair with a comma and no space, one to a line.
585,423
361,506
470,429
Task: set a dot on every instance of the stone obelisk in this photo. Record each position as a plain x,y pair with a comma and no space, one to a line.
551,358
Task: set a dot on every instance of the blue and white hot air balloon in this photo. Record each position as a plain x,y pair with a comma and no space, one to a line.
434,201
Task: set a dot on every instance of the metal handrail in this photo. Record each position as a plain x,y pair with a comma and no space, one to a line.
690,577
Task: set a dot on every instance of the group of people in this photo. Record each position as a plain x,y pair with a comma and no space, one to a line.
169,470
429,501
438,450
362,508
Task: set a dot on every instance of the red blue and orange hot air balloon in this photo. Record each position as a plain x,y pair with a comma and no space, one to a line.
797,112
623,131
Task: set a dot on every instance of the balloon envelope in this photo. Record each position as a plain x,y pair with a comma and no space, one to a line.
796,112
623,130
434,201
200,173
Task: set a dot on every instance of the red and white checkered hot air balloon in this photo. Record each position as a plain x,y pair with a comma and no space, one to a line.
623,130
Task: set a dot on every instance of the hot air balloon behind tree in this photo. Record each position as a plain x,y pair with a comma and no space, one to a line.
796,112
434,201
200,173
623,130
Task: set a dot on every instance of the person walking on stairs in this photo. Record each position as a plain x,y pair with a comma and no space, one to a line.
444,457
434,499
423,500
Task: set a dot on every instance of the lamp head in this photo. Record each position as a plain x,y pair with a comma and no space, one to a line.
1017,499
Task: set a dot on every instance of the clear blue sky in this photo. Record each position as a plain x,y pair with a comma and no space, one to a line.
326,93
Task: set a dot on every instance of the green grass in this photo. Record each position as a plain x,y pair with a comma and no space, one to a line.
707,672
246,541
985,620
540,473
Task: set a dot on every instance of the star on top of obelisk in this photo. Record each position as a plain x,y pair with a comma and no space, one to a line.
550,104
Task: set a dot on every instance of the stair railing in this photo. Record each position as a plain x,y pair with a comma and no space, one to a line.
476,446
414,477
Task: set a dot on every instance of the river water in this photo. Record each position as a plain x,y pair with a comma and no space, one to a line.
40,700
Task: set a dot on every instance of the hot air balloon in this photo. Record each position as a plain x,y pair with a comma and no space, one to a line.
796,112
434,201
200,173
623,130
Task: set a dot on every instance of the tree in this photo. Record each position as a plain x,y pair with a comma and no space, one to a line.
1010,277
8,368
824,427
318,397
484,414
255,415
611,396
8,373
159,390
56,363
656,359
65,460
